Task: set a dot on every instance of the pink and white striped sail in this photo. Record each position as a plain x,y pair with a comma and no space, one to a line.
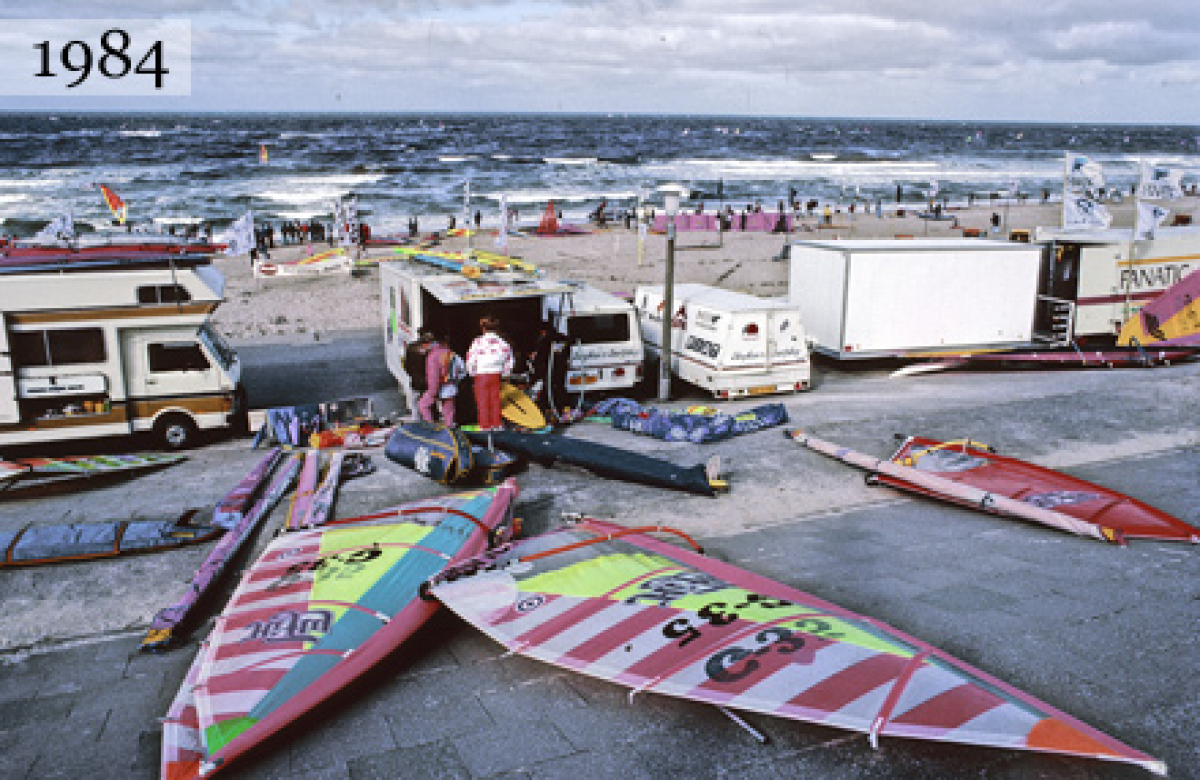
631,609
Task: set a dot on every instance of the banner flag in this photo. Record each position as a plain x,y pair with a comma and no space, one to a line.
1159,182
240,238
1080,211
1149,217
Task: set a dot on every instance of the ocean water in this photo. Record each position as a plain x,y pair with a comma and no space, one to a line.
186,168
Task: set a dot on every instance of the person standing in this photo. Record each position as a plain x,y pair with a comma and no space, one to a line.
489,358
441,382
414,367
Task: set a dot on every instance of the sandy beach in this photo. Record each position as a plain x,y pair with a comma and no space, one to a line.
264,308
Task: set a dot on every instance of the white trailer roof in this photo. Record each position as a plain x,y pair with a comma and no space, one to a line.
450,289
859,245
718,298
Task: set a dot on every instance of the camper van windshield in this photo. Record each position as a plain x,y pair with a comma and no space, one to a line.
598,328
217,346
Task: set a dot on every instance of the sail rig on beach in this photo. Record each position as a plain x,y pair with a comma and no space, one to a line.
617,604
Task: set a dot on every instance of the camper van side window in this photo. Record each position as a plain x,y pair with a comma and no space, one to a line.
63,347
176,356
163,293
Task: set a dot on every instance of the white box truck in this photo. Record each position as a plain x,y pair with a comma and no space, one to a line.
728,343
91,353
603,345
896,297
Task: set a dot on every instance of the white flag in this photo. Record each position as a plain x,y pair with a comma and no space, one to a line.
1080,211
240,238
61,228
1158,182
1084,174
1149,217
502,233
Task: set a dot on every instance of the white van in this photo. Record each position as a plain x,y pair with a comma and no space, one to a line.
604,348
728,343
90,353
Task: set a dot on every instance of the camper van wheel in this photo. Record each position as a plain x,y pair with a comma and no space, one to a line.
175,431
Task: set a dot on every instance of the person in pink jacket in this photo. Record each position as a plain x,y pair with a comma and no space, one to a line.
440,386
489,358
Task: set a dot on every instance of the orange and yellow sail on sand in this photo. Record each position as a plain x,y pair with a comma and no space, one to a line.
115,204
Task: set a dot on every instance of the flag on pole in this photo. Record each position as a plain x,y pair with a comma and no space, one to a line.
115,204
240,238
1149,217
502,233
1080,211
1159,182
61,228
1084,174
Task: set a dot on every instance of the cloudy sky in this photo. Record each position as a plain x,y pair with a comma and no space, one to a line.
1041,60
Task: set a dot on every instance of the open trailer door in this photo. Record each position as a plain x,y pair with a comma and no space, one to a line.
9,413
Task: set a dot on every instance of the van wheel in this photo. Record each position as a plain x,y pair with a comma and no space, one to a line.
175,432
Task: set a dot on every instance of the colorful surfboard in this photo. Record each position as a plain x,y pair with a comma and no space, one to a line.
519,409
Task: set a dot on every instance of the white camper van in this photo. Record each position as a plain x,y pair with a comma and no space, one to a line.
890,297
89,353
728,343
604,347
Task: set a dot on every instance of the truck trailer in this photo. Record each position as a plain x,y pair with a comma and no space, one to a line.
898,297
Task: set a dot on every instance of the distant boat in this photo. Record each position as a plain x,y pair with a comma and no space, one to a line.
822,156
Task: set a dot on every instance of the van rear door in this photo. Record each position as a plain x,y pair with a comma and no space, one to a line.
9,413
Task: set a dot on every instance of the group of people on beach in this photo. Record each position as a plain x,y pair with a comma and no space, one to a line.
435,371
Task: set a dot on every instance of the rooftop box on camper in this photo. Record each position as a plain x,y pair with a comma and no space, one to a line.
877,298
729,343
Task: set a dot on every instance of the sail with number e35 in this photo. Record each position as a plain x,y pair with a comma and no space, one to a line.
317,610
617,604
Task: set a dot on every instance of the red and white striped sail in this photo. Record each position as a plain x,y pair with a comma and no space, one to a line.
640,612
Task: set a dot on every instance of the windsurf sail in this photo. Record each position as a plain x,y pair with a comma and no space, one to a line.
1173,318
30,475
306,488
962,493
263,156
169,623
549,224
234,505
617,604
321,508
114,203
318,609
975,465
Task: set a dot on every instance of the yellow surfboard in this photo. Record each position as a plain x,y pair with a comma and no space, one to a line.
519,409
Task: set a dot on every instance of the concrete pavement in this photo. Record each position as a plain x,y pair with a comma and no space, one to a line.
1103,633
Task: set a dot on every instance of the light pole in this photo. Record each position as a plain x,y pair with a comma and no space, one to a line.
671,195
